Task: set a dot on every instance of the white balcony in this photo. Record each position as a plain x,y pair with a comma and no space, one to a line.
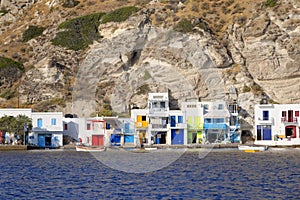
289,121
268,121
161,112
178,126
158,127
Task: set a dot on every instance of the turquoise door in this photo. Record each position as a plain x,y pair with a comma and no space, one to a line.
128,139
41,140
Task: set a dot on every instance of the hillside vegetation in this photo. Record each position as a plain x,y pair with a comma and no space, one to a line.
78,32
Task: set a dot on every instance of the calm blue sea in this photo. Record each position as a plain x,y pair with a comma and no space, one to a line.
222,174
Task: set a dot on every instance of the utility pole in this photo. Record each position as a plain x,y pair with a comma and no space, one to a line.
25,130
18,97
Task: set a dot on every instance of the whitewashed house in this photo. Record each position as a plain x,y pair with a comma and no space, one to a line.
193,117
129,137
88,131
277,124
216,122
96,131
177,134
47,129
211,121
158,106
157,124
72,127
141,121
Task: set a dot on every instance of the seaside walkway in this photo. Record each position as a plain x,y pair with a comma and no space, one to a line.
13,147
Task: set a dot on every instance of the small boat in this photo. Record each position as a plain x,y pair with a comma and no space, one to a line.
252,149
90,148
150,148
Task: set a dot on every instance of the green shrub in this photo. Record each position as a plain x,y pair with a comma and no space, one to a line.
271,101
119,15
203,26
246,89
234,79
10,72
144,89
32,32
106,110
79,32
57,101
184,26
229,3
46,105
9,63
270,3
256,89
147,75
3,11
70,3
8,94
205,6
142,2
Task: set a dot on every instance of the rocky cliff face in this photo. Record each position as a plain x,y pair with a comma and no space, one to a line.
136,58
256,51
268,46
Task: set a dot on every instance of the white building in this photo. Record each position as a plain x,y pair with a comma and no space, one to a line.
72,127
141,121
99,131
277,124
158,124
216,122
211,121
46,130
193,116
88,131
47,127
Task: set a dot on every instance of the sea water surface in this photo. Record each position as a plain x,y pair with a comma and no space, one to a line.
221,174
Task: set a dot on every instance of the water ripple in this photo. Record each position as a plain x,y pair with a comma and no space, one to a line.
220,175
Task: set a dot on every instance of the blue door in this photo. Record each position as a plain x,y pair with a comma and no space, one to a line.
128,139
177,136
267,133
41,140
115,139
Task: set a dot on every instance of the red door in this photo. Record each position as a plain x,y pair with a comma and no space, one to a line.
290,131
97,140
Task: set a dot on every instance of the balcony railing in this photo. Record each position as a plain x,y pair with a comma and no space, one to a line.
289,120
143,124
179,126
215,126
159,126
158,111
269,120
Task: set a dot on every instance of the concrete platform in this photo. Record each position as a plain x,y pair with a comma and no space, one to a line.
13,147
193,146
